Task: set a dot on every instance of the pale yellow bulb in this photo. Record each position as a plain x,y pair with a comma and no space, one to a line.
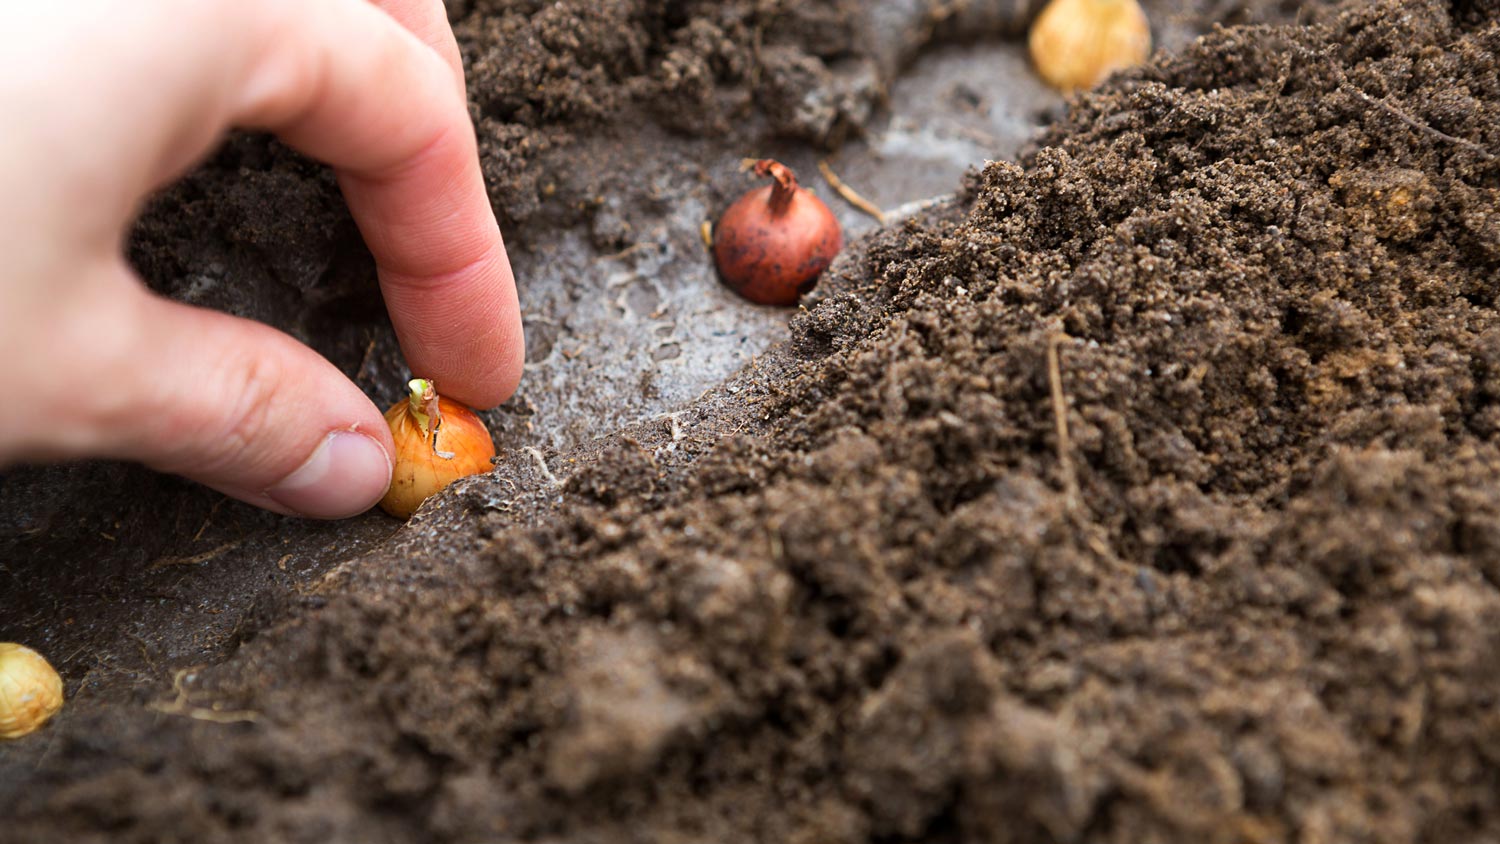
30,691
1075,44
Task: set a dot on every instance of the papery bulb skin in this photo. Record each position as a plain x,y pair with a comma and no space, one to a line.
772,244
438,441
1076,44
31,691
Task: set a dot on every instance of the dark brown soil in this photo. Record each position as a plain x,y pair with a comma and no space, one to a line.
1146,492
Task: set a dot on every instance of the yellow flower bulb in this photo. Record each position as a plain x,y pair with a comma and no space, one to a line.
1076,44
438,441
30,691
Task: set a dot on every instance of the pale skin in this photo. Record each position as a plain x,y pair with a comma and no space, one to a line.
110,100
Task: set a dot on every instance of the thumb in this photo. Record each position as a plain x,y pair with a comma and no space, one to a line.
231,403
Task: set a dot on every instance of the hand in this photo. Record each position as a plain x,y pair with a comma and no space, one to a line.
105,101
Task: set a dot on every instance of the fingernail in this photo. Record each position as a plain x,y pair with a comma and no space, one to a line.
345,476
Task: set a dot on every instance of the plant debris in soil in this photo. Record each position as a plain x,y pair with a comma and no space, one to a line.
1147,492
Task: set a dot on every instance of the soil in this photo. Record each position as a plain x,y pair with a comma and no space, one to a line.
1142,491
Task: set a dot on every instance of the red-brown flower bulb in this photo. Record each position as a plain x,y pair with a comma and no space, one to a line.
774,242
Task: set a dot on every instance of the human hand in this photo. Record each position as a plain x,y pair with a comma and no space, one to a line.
105,101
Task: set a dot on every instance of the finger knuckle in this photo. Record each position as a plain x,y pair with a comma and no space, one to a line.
246,428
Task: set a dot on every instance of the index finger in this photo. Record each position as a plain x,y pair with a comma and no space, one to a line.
428,20
341,81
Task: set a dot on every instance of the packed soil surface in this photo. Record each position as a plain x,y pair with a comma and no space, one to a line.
1145,491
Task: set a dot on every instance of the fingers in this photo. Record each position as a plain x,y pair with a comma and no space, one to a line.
345,85
237,405
228,402
428,20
